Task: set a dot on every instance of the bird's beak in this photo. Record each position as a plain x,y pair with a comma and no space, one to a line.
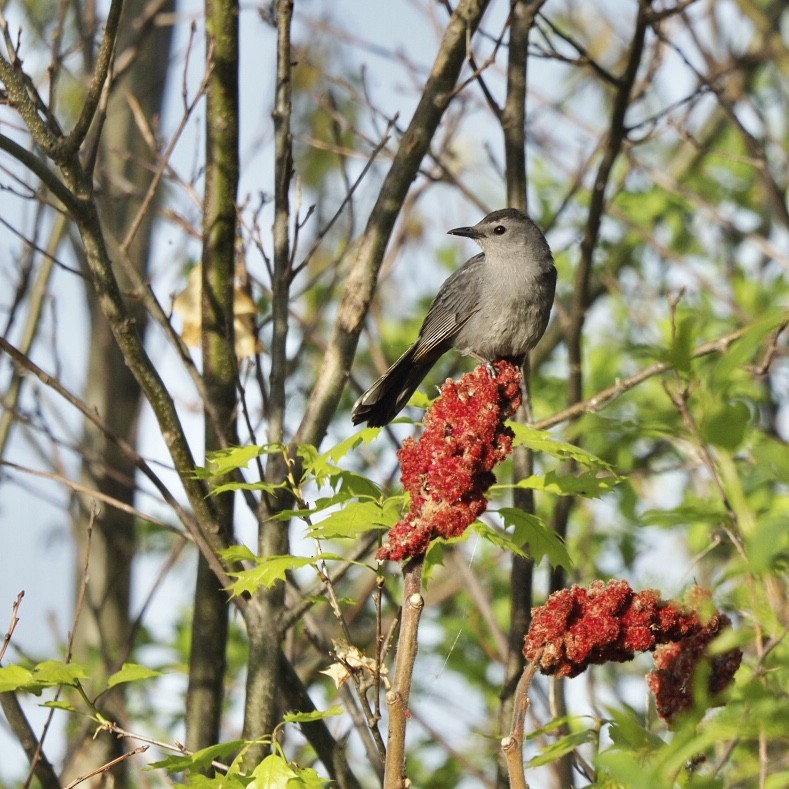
468,232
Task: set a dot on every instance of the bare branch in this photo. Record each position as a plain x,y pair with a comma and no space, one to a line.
369,253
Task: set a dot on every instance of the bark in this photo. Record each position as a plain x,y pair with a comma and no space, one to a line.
207,660
103,637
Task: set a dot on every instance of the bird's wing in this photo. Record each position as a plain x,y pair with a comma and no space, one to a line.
456,301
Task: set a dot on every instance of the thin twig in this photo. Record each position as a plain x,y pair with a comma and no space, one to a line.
602,398
108,766
324,230
78,608
14,622
78,487
18,722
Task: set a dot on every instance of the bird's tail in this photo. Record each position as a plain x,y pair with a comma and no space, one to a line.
381,403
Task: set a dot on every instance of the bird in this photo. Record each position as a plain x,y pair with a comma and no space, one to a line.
495,306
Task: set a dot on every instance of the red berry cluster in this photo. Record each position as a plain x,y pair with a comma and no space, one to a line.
675,667
604,622
449,469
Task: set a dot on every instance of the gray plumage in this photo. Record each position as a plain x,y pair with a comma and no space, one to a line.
495,306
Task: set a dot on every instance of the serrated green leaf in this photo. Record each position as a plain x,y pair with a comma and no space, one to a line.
51,673
238,553
498,538
355,518
225,461
542,540
315,715
132,672
267,487
199,760
14,677
589,484
352,484
268,571
272,773
339,451
307,778
543,441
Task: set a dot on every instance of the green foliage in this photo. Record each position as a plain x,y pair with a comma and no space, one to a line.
272,772
542,541
132,672
543,442
47,674
682,477
565,744
270,569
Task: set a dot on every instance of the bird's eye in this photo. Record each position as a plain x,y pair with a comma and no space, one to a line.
500,230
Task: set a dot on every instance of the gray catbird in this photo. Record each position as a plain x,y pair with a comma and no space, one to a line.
495,306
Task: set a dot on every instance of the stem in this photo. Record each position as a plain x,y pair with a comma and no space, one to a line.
397,697
512,745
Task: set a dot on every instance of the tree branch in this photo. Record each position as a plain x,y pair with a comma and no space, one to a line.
67,146
363,273
41,171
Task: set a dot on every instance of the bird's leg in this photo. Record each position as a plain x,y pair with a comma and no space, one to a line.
492,372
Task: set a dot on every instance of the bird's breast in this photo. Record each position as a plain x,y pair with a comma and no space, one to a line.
511,318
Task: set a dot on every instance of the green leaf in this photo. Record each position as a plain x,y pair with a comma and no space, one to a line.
543,441
199,760
747,347
268,571
562,746
339,451
273,773
352,484
767,547
307,778
725,424
51,673
238,553
14,677
541,540
225,461
589,484
691,512
59,705
315,715
267,487
230,781
563,721
626,731
498,538
682,344
357,517
132,672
